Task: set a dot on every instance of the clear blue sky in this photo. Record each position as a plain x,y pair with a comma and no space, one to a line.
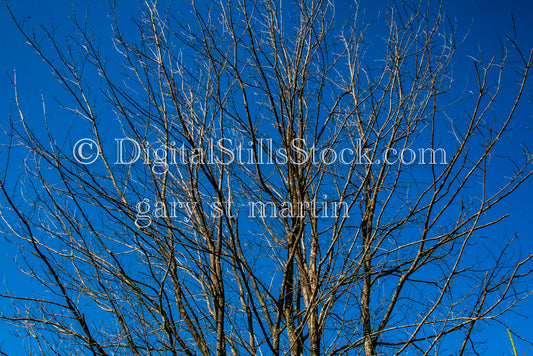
490,20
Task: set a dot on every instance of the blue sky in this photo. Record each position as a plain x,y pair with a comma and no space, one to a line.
486,21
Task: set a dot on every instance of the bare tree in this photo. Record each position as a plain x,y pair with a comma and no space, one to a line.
269,181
